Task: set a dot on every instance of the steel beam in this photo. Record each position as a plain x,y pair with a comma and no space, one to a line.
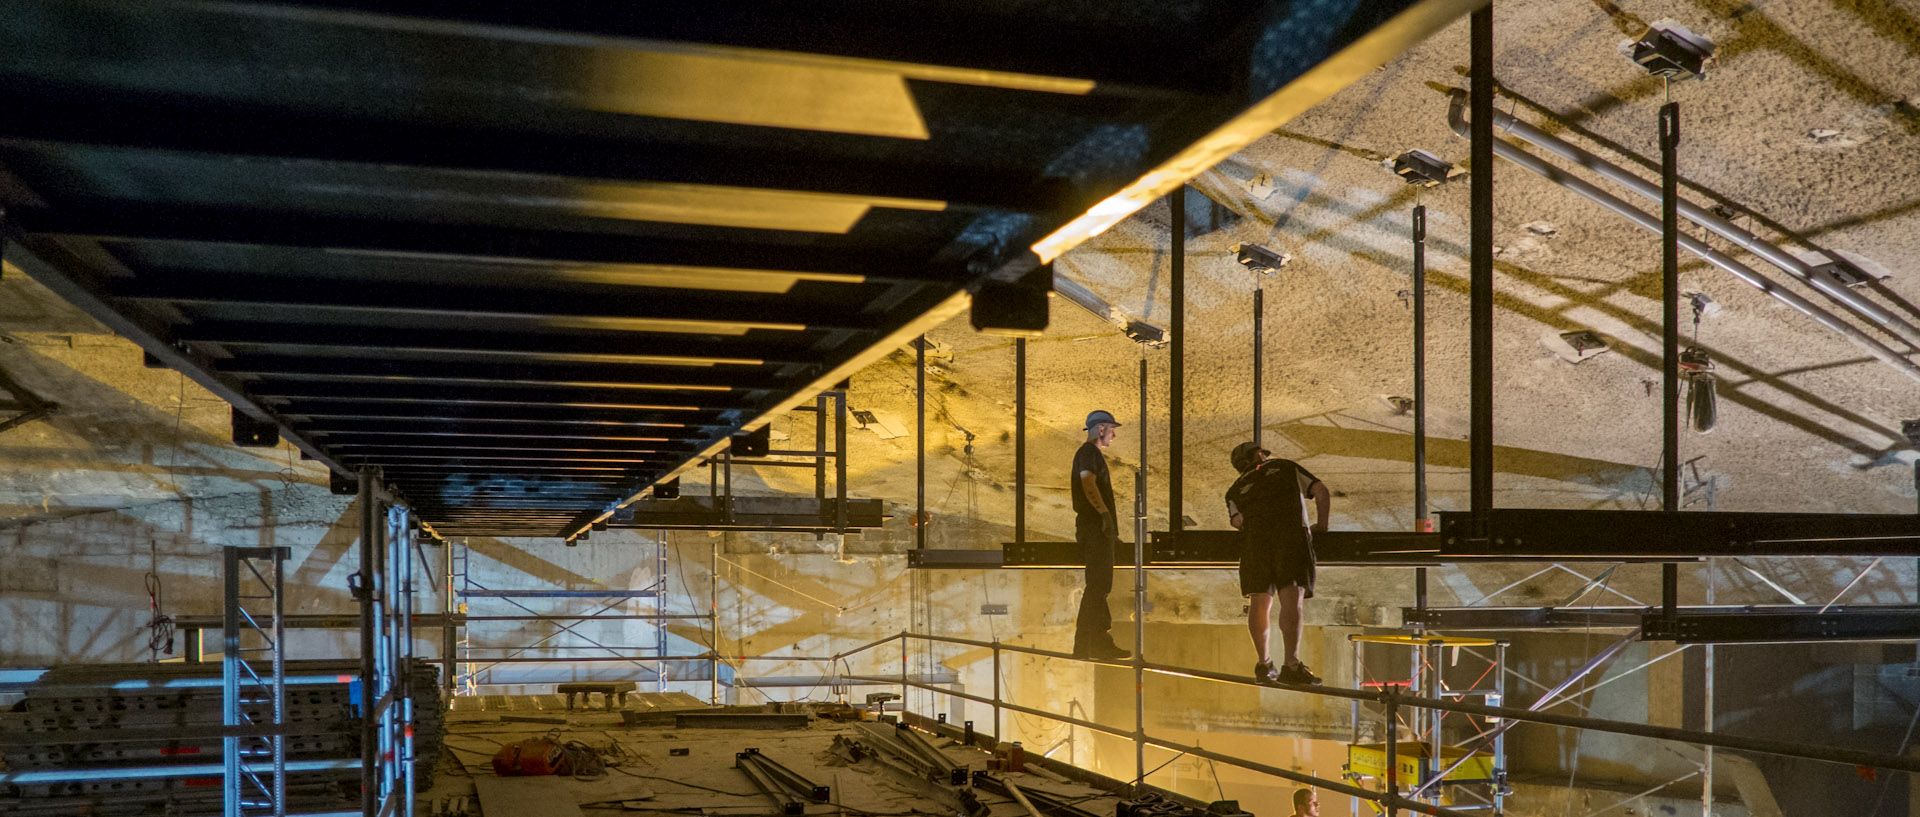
1480,267
451,398
658,307
584,347
1564,534
464,245
386,428
579,375
58,115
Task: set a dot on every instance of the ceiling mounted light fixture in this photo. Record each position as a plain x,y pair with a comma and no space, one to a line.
1421,168
1260,259
1670,51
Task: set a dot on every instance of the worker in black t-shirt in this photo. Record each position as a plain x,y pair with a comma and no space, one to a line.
1277,556
1096,529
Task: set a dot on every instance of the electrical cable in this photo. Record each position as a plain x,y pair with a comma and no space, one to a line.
159,625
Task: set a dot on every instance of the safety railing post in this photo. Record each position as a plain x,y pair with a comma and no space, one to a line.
996,693
1393,752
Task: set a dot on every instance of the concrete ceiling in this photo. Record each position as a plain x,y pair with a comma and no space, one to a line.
1808,123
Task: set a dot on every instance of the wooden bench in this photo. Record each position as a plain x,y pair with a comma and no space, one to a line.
616,693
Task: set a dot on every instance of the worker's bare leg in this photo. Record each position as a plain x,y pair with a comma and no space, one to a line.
1291,598
1260,623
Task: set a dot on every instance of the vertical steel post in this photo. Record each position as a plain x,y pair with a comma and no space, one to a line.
1669,338
996,693
1706,762
1140,589
1259,353
369,680
903,678
920,443
231,782
449,633
1437,689
1391,702
1177,380
1421,522
713,622
840,462
820,461
1480,263
1020,447
1500,738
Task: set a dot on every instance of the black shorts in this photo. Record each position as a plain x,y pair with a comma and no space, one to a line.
1267,565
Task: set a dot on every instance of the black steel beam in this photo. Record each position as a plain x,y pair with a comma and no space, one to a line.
704,513
1551,535
1522,618
389,427
529,250
574,374
68,115
1480,266
343,444
459,397
1130,54
487,459
321,413
608,347
1767,624
1177,365
631,305
1221,549
1690,624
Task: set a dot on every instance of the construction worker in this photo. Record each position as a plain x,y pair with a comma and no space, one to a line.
1097,529
1306,803
1277,558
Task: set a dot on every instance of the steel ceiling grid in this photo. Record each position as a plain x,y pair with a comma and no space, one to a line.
405,233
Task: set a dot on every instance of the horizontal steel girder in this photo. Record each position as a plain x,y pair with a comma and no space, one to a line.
637,304
1690,624
708,513
1556,535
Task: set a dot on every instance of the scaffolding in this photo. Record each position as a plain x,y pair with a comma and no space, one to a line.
253,668
1429,762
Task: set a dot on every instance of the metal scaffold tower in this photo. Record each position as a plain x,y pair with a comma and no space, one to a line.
1428,766
253,683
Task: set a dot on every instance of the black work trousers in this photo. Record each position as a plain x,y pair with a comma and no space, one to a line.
1096,551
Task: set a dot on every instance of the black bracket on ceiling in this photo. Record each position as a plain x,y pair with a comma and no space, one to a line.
341,485
754,443
252,433
1015,308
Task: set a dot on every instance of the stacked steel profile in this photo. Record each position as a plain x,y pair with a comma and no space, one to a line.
146,739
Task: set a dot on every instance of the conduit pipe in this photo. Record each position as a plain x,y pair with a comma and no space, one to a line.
1786,261
1457,120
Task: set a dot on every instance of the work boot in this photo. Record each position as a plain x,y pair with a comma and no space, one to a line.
1297,673
1108,652
1263,673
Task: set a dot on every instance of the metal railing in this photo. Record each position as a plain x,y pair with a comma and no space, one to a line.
1388,698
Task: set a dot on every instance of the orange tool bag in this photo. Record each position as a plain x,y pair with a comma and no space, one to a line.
533,756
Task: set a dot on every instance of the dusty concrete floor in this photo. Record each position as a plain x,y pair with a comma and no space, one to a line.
650,779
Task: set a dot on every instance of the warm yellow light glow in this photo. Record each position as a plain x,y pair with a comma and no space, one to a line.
741,90
717,206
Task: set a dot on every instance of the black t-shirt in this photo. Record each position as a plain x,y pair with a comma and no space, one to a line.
1089,458
1271,496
